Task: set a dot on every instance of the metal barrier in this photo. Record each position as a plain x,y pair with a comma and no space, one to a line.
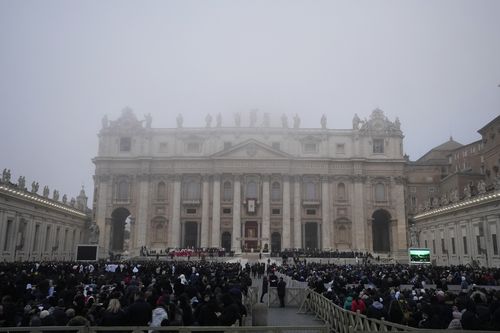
294,297
171,329
343,321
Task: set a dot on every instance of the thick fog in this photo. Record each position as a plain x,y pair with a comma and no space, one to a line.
66,64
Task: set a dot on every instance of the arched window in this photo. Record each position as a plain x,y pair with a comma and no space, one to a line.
276,191
341,191
252,189
379,192
122,190
310,191
227,191
161,191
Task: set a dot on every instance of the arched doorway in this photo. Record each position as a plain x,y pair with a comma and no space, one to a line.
226,241
190,234
118,232
311,235
275,242
381,231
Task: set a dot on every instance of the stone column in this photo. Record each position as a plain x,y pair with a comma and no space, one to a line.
266,213
204,211
3,226
325,212
236,235
286,213
142,220
358,214
297,221
102,183
216,212
400,243
175,236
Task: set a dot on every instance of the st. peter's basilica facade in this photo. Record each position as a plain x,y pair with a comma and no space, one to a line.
250,186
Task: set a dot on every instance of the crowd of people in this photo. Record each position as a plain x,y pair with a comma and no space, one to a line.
317,253
174,293
376,291
187,252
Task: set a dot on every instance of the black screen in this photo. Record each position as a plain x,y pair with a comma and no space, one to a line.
86,252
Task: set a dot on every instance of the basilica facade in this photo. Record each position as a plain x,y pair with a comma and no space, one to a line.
250,186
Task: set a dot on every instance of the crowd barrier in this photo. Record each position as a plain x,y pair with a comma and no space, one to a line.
171,329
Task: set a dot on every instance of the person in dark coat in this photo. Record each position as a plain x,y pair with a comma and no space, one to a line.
265,286
281,292
139,312
113,315
376,310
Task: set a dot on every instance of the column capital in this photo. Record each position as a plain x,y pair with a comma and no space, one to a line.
266,177
237,176
143,177
285,177
358,178
216,177
205,177
297,178
325,178
177,177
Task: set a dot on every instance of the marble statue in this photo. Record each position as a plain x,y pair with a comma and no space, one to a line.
34,187
94,233
237,119
180,120
21,182
454,196
435,202
218,120
413,236
481,187
266,122
427,204
397,124
284,121
444,199
149,120
355,122
6,176
65,199
72,202
467,192
55,195
105,121
208,120
323,122
253,118
296,121
46,191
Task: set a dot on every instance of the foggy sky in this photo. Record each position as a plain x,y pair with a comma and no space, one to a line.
65,64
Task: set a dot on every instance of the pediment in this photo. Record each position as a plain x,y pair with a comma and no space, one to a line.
252,149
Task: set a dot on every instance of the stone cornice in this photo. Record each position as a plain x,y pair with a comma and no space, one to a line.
461,205
42,201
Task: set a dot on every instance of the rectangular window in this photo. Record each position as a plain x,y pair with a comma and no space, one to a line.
453,245
443,249
35,238
495,244
7,238
340,148
226,210
434,246
310,211
478,241
276,145
191,211
378,146
276,211
47,239
227,144
193,147
310,147
425,243
464,238
125,144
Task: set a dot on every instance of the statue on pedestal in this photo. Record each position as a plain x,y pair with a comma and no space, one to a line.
55,195
296,121
435,203
208,120
105,121
6,176
72,202
397,124
323,122
481,187
94,233
46,191
21,182
413,236
454,196
65,199
34,187
180,120
444,199
284,121
467,192
218,120
355,122
148,119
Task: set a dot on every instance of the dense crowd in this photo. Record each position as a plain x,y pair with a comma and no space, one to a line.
122,294
187,252
375,290
317,253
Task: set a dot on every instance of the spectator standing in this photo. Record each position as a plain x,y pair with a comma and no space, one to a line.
281,292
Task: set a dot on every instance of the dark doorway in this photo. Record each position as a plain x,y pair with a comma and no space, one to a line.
226,241
251,235
118,218
311,235
190,234
275,242
381,231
